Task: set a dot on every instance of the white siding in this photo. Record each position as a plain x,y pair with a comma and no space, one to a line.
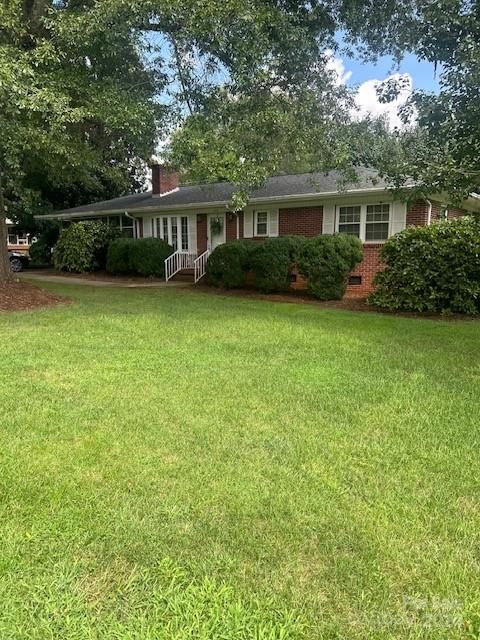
248,224
399,217
273,223
147,227
328,219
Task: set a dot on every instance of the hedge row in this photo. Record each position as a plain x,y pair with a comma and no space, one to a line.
144,257
434,268
325,262
92,246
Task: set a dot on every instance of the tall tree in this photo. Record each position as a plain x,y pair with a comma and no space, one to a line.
443,152
76,108
84,87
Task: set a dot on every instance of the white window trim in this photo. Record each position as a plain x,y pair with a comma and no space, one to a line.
158,230
255,223
363,219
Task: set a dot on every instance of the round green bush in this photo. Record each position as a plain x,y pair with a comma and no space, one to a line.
143,257
147,256
82,246
433,268
228,264
271,262
326,261
118,257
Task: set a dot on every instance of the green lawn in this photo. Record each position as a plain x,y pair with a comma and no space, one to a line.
180,465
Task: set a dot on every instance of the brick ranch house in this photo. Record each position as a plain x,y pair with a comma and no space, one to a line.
195,219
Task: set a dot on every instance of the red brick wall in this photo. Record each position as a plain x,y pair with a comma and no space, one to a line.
231,227
455,212
305,221
417,213
164,179
201,233
367,269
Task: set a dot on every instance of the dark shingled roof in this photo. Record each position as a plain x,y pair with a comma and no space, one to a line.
221,192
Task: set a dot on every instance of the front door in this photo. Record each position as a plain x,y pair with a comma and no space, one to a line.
215,230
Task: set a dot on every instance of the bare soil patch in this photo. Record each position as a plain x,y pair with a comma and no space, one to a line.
21,296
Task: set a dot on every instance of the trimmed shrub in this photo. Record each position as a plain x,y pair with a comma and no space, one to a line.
228,264
326,261
148,255
118,257
434,268
82,246
144,257
271,262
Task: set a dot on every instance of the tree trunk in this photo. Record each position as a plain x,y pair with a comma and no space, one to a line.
5,271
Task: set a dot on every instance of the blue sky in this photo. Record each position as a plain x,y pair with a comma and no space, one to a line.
421,72
364,78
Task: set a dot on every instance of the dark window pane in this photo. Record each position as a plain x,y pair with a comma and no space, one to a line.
350,229
184,222
174,234
376,231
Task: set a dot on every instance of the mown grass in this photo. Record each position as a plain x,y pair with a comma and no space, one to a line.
179,465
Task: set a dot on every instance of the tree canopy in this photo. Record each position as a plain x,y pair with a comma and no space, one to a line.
442,153
238,88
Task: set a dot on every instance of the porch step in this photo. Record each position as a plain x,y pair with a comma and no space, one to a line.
185,275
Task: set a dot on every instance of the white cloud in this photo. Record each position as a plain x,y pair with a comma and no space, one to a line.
337,67
366,98
368,104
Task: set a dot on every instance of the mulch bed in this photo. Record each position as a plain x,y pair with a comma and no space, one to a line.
21,296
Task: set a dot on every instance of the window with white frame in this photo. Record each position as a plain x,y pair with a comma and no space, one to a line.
261,223
377,222
349,220
369,222
173,230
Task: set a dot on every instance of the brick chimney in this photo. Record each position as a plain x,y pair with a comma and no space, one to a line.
164,180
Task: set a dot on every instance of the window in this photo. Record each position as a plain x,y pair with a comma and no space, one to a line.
369,222
261,225
165,229
184,227
349,220
377,222
158,228
174,233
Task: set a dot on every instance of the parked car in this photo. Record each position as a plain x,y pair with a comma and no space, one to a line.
18,261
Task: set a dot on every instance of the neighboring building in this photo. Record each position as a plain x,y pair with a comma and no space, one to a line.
194,219
17,239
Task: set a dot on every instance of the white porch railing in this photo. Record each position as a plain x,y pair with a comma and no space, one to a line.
200,265
177,262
